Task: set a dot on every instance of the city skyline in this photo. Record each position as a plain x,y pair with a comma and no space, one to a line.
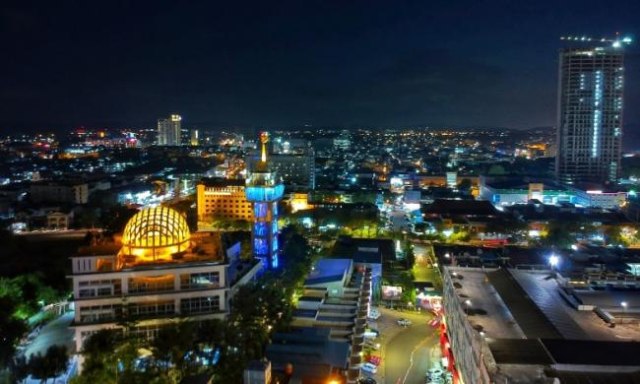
322,64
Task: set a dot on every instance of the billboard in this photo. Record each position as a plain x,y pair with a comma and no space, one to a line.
391,292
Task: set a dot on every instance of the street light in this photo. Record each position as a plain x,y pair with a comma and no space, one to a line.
624,308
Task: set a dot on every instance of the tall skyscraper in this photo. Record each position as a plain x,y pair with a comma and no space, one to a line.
590,102
170,131
264,189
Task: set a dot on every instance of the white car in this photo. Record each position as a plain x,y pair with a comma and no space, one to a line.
404,322
434,373
374,314
369,367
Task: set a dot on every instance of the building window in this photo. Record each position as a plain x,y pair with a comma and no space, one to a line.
151,284
199,305
152,309
206,280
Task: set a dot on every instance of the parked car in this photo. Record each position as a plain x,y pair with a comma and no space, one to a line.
435,375
372,344
368,367
435,372
404,322
371,333
374,314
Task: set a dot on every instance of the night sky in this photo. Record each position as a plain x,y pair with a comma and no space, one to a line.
280,64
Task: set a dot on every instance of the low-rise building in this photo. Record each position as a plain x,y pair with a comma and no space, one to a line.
509,325
155,273
328,325
72,192
510,191
223,198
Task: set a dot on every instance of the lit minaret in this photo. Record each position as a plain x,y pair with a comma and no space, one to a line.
264,190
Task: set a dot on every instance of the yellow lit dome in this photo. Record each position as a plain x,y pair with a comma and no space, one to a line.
155,234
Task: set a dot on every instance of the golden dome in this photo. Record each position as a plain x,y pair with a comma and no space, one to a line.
155,233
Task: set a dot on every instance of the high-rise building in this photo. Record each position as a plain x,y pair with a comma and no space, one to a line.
264,189
170,131
194,140
590,102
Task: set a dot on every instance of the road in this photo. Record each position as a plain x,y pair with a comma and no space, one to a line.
46,235
408,355
406,352
57,332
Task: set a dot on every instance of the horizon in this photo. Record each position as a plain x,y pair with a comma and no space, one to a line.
323,64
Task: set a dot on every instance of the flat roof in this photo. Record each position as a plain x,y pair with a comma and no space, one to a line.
308,346
608,298
461,207
329,270
590,352
542,289
573,377
565,352
528,316
346,245
222,182
523,184
571,323
519,351
472,286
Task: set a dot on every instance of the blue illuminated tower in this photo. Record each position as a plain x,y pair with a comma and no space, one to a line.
264,190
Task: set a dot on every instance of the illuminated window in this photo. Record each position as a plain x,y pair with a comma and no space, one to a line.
260,210
260,229
260,246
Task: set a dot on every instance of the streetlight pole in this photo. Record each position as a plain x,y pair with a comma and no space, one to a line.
624,309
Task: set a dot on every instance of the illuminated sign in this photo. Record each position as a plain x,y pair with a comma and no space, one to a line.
390,292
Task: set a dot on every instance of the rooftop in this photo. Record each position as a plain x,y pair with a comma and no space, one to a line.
329,270
461,207
497,322
222,182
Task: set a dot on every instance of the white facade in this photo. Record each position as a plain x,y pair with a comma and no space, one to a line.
152,295
600,199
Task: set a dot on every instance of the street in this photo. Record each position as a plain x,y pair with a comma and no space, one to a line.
407,352
57,332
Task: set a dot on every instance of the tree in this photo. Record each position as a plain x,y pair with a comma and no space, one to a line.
496,170
409,255
613,235
11,330
173,343
464,185
98,351
19,369
559,235
53,363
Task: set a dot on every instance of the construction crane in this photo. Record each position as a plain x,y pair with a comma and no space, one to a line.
617,42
